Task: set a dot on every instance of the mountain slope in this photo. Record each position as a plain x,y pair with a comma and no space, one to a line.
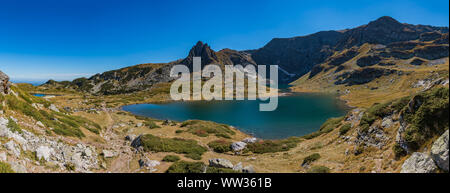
299,55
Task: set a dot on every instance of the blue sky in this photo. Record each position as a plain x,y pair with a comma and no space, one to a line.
63,40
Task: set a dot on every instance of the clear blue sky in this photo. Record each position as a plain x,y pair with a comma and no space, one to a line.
64,39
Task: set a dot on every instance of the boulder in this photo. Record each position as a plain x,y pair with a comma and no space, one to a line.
147,163
13,148
53,108
250,140
419,163
108,154
238,146
387,122
220,163
40,124
439,152
4,83
44,152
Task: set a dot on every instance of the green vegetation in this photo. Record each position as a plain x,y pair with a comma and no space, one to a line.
398,151
326,127
186,167
188,147
5,168
345,128
215,170
171,158
151,124
62,124
204,128
13,126
429,119
271,146
196,167
378,111
70,166
331,124
318,169
220,146
310,159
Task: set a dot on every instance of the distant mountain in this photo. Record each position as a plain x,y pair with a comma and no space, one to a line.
298,55
295,56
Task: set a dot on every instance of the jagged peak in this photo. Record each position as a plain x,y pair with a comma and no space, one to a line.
203,50
200,48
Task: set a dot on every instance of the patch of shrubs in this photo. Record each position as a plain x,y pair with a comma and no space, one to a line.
183,146
326,127
171,158
13,126
220,146
196,167
187,167
49,120
310,159
5,168
430,119
205,128
331,124
271,146
345,128
151,124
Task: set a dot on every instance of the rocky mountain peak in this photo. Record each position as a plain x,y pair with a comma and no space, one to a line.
385,20
4,83
201,50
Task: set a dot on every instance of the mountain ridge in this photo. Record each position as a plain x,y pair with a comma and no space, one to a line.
295,56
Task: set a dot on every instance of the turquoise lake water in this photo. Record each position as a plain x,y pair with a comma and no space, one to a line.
295,116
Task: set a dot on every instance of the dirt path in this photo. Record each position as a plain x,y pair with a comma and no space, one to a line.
122,149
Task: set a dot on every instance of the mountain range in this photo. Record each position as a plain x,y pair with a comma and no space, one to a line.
296,56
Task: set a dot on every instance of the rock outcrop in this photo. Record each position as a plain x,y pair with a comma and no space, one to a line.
419,163
4,83
439,152
220,163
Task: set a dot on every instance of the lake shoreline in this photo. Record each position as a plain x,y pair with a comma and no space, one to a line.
248,129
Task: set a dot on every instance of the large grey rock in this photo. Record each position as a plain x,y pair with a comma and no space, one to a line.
108,154
13,148
238,146
419,163
250,140
4,83
147,163
439,152
44,152
220,163
53,108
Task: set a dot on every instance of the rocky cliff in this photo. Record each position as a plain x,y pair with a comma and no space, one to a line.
4,83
